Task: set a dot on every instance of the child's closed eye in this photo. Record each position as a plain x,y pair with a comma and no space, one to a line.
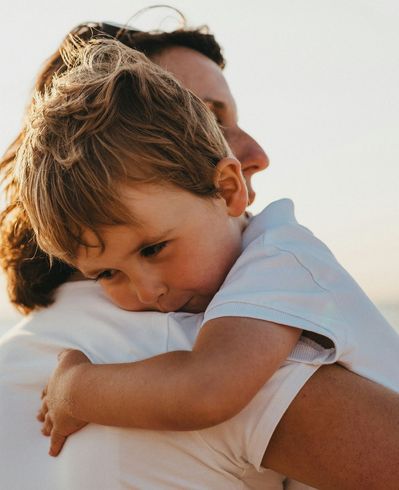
153,250
106,275
146,252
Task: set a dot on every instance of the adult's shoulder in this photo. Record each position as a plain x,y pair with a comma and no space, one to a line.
82,317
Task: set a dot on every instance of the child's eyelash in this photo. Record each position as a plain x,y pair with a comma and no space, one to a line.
153,249
150,251
107,274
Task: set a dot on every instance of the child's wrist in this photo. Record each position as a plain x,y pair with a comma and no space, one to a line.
76,390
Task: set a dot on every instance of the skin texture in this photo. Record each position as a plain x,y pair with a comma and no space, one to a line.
340,433
180,390
325,434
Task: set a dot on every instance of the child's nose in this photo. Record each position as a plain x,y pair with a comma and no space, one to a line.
149,292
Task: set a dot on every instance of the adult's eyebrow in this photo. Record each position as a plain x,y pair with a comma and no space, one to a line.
218,104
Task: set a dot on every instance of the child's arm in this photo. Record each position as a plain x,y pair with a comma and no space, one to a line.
184,390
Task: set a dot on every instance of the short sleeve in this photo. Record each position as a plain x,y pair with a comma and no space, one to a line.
279,283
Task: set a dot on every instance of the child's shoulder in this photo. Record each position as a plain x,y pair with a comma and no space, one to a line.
276,215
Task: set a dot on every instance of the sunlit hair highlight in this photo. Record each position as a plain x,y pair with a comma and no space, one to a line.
112,118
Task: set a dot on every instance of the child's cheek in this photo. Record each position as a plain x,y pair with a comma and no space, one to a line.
123,297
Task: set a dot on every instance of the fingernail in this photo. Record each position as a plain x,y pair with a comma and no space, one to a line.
60,354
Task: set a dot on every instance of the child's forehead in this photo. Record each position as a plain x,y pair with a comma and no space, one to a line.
152,210
153,204
136,194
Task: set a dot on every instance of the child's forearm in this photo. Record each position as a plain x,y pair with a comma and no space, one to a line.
172,391
184,390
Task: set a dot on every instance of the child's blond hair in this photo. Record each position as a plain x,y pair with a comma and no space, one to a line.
113,117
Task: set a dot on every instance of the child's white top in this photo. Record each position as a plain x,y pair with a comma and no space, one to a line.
286,275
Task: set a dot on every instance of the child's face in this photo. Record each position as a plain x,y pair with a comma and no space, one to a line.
175,260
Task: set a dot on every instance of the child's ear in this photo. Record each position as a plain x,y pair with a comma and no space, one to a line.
231,185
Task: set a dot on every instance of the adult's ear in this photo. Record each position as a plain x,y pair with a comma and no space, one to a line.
231,185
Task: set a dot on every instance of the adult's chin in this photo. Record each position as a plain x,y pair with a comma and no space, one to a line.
251,192
251,197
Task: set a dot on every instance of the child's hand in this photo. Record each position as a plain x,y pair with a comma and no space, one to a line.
58,423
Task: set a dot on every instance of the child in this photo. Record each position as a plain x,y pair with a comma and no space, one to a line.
126,176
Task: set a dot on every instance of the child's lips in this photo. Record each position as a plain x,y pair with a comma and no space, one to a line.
175,306
197,304
186,306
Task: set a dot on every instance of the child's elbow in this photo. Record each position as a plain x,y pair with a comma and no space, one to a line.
212,407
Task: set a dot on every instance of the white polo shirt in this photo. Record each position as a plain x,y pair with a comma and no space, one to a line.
227,456
286,275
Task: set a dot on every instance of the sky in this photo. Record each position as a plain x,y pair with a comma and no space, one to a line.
316,83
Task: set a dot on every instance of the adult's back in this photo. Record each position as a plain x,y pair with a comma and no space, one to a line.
225,456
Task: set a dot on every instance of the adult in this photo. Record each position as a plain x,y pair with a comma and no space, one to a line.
319,439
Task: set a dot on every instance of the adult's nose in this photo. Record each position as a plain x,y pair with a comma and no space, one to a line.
251,155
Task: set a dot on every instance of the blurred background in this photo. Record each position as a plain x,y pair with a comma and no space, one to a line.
316,83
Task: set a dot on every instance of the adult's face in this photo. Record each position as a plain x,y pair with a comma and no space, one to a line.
204,77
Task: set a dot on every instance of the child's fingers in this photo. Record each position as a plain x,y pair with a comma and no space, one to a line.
71,357
63,352
47,425
56,443
41,414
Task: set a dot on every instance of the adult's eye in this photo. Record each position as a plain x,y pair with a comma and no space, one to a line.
215,112
218,117
152,250
107,274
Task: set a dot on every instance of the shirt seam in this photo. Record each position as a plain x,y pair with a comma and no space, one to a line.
314,280
247,303
243,468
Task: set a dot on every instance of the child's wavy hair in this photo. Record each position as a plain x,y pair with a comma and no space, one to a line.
113,118
31,278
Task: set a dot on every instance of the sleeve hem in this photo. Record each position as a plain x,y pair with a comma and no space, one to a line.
298,377
248,310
